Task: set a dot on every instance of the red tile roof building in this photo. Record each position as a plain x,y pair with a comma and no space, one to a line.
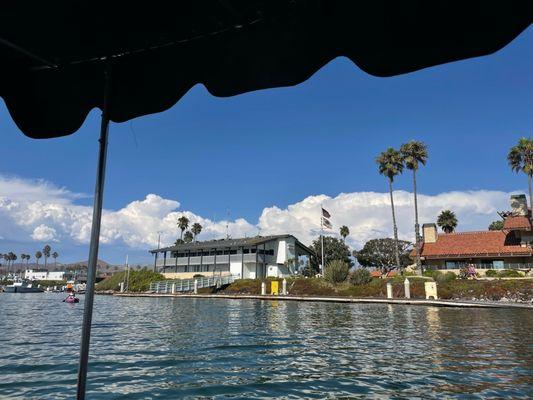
510,247
517,222
472,244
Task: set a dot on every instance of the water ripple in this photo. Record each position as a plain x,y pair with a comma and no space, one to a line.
241,349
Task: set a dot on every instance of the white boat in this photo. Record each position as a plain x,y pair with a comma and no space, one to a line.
22,286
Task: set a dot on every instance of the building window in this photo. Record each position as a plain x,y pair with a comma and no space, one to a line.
498,264
450,265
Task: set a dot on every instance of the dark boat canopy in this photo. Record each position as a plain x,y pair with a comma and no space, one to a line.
53,52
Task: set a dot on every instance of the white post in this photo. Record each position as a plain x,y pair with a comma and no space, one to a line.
127,274
322,239
263,288
121,287
406,285
196,286
284,287
389,290
173,289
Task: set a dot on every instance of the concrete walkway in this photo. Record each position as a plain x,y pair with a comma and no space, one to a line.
420,302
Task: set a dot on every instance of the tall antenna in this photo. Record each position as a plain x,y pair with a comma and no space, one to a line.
227,224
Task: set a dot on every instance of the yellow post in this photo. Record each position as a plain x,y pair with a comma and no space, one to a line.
431,290
274,287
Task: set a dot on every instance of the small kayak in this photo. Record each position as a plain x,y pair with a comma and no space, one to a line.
71,300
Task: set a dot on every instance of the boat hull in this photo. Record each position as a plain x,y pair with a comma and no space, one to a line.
21,289
71,300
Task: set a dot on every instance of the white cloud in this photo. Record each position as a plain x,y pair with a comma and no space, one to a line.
44,233
368,214
39,211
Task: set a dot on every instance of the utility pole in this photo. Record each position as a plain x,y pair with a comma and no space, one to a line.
227,225
127,274
158,247
322,239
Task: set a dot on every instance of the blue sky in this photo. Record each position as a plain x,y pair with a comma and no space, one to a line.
276,147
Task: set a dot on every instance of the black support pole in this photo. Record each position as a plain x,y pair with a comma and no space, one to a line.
95,240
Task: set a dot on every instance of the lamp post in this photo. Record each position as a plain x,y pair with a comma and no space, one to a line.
158,247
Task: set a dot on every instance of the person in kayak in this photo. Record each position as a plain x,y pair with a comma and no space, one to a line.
71,296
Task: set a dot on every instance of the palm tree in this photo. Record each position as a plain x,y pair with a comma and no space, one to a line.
188,237
196,229
46,253
415,153
38,255
13,258
344,231
6,258
390,164
447,221
520,158
183,223
55,254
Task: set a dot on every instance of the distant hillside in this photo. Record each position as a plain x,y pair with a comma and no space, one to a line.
100,263
103,266
51,266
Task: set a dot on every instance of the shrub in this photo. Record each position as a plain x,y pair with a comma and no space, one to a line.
491,273
360,277
509,273
336,271
431,273
445,277
139,281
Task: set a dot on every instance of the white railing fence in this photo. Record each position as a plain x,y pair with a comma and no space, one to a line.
188,285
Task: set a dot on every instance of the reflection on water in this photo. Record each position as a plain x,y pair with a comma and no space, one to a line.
179,348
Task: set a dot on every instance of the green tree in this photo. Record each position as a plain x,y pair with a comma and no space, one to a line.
447,221
196,229
381,254
390,163
183,223
334,249
13,257
38,255
336,271
188,237
55,254
360,276
46,254
415,153
178,242
344,231
520,159
496,225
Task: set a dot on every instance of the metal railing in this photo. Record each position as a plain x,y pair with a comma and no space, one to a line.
459,265
190,285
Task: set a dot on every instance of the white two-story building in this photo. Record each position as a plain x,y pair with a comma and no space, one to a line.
255,257
44,275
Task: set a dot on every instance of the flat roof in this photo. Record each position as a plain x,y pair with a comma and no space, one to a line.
225,243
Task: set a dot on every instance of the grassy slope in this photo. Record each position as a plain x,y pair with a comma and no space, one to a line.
139,280
462,289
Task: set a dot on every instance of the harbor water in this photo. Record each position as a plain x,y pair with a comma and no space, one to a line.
144,348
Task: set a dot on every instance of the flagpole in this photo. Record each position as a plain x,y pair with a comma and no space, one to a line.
322,237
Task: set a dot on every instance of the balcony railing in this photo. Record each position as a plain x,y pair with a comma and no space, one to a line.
210,260
459,265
